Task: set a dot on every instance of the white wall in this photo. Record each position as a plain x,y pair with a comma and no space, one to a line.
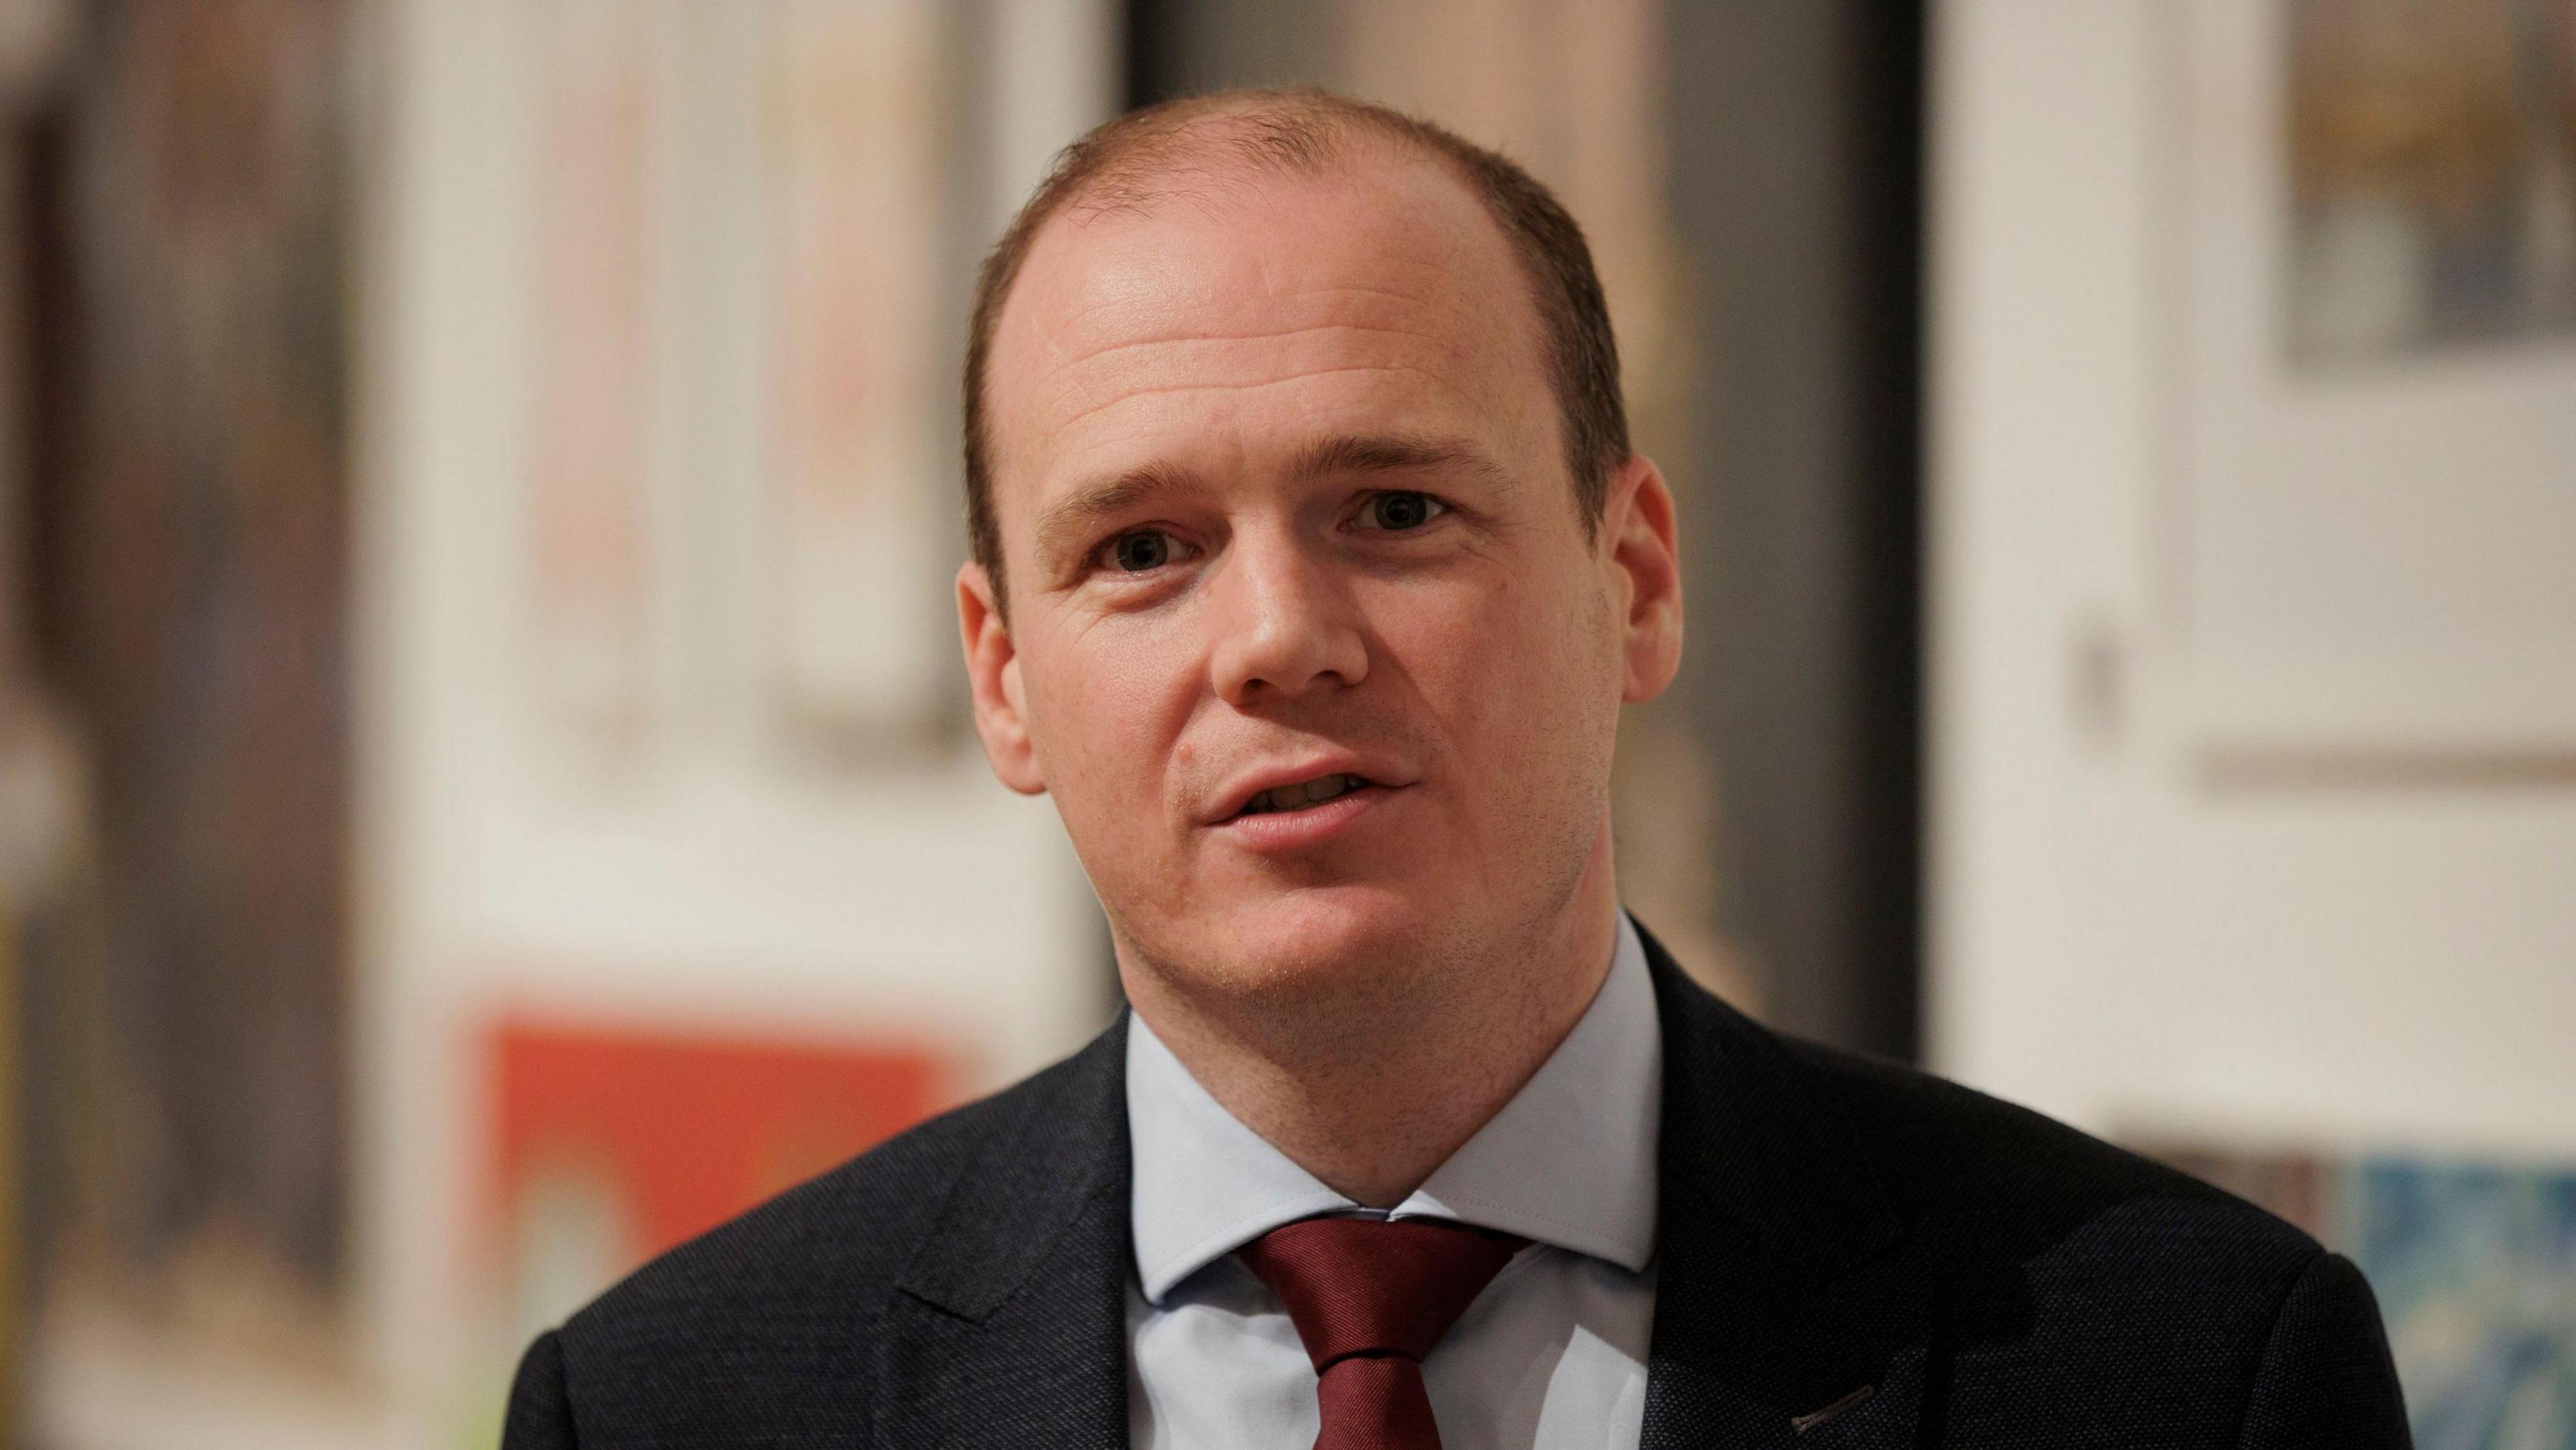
2120,937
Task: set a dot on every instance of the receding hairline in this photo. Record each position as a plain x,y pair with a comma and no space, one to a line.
1219,147
1169,180
1241,136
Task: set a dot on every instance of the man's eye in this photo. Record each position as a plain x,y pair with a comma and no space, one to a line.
1140,552
1400,511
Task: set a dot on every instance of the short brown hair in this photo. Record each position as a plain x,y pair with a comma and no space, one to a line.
1127,162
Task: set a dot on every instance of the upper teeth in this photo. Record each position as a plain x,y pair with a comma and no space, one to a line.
1304,793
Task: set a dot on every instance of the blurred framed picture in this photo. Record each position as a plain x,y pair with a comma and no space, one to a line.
683,883
601,114
858,117
2367,501
2431,150
2474,1266
610,1143
748,225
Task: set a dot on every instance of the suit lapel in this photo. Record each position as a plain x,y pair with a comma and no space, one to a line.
1785,1312
1009,1329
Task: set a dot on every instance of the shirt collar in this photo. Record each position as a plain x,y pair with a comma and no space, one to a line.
1569,1161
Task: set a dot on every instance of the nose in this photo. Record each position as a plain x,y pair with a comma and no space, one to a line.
1284,624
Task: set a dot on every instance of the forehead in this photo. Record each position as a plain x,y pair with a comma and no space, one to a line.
1253,311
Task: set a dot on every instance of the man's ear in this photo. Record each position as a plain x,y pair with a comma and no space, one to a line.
993,672
1644,555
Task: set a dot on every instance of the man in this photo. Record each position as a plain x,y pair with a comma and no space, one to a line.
1311,569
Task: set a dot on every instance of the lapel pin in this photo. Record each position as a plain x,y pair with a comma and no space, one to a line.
1801,1424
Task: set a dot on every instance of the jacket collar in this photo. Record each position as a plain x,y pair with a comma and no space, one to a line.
1783,1290
1782,1293
1009,1326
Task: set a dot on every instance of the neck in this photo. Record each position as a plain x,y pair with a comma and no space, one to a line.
1371,1091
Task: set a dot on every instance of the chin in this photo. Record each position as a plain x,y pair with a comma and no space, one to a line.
1307,939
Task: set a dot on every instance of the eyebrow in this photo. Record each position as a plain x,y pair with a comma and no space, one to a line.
1068,522
1393,453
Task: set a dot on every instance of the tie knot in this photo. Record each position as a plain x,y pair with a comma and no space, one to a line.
1375,1286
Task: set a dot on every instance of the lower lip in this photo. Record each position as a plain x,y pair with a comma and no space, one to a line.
1275,832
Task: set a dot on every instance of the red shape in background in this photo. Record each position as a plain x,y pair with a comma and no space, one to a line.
694,1129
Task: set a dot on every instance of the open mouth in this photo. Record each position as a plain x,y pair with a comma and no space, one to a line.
1302,794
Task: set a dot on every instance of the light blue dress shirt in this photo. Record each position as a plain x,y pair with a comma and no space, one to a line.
1552,1356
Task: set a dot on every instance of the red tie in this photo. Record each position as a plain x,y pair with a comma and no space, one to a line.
1369,1298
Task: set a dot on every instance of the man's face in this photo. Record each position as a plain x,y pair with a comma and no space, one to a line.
1305,632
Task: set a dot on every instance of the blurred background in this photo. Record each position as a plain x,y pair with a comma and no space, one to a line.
484,785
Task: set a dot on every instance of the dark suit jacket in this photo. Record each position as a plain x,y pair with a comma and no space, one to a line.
1828,1224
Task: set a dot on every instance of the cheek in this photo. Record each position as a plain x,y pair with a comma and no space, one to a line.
1523,677
1104,707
